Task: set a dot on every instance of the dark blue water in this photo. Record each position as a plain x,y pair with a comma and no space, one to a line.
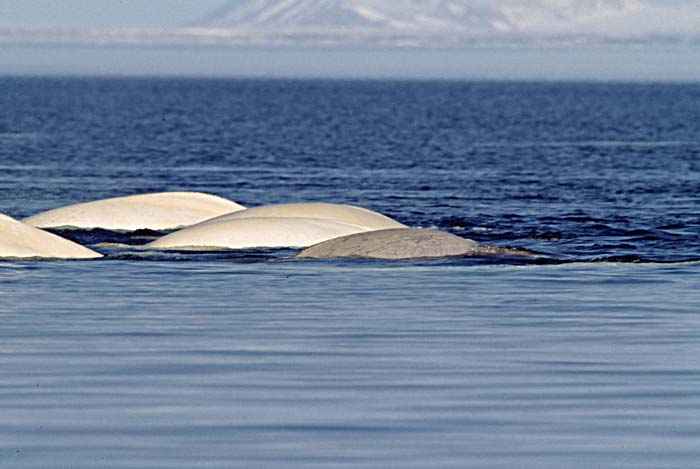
252,359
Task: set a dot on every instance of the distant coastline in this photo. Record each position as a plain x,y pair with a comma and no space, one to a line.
323,37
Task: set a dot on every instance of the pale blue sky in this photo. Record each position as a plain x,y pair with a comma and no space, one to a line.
103,12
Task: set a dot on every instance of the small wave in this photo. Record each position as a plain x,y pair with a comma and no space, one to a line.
8,136
630,259
589,143
238,257
98,236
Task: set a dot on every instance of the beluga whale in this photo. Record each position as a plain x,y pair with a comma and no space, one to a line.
155,211
405,243
248,233
19,240
342,213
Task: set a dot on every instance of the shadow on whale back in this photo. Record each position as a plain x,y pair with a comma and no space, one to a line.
404,243
157,211
19,240
250,233
343,213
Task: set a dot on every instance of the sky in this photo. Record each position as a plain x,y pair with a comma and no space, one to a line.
101,13
657,62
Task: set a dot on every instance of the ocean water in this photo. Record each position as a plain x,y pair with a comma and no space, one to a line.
589,357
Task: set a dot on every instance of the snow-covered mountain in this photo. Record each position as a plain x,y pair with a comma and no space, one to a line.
404,15
431,16
409,23
285,13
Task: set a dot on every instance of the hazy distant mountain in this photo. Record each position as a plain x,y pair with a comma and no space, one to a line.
409,23
398,15
443,16
284,13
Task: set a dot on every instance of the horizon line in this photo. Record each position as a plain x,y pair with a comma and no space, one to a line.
325,38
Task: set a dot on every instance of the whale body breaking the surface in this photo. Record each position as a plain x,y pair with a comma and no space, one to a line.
19,240
406,243
250,233
343,213
157,211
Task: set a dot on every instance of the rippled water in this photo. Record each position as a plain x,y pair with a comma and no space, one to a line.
590,358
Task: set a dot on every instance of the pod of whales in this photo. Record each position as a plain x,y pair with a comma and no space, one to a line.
158,211
343,213
403,243
211,222
249,233
19,240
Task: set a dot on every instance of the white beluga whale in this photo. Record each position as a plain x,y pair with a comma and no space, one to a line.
157,211
250,233
19,240
406,243
342,213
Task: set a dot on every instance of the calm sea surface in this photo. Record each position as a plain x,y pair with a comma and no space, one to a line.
589,358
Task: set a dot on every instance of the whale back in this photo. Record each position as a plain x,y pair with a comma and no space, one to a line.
343,213
393,244
256,233
157,211
19,240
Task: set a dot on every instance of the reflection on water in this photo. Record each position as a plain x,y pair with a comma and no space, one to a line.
349,364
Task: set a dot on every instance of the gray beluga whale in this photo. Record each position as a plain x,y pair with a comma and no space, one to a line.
156,211
19,240
406,243
257,233
343,213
